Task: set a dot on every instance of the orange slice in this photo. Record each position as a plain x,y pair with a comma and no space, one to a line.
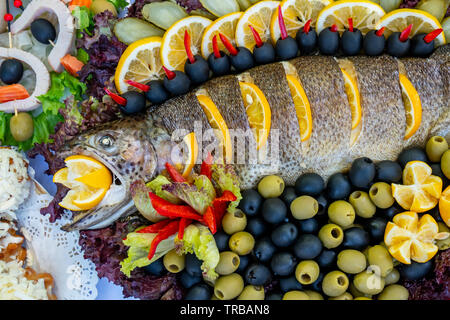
413,106
444,206
354,98
258,112
191,141
302,107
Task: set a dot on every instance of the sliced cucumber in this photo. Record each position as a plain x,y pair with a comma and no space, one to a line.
436,8
446,27
130,30
220,8
163,14
204,13
244,4
390,5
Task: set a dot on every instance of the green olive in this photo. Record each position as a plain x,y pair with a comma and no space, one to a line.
394,292
363,206
344,296
356,293
21,126
435,148
271,186
228,263
229,287
331,235
234,222
313,295
252,293
392,277
341,213
445,164
335,283
351,261
295,295
99,6
445,243
213,297
173,261
304,207
379,256
307,272
368,282
381,195
242,243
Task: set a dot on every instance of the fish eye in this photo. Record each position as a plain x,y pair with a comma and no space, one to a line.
106,141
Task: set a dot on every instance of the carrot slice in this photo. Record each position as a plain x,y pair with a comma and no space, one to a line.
13,92
72,64
79,3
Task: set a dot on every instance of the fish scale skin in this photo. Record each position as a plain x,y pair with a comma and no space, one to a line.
381,137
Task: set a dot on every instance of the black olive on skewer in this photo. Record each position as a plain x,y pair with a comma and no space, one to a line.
263,52
130,102
176,82
374,42
422,45
195,67
241,58
43,31
154,90
306,38
351,40
11,71
398,43
218,61
286,47
329,40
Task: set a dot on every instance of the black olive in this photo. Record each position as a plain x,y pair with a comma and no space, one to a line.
198,71
395,47
136,102
187,280
306,41
157,93
323,205
351,42
243,263
376,227
388,171
256,227
193,265
373,44
310,184
264,54
221,239
310,225
243,60
274,296
264,249
178,85
43,31
390,212
290,283
412,154
326,259
338,187
355,238
362,172
317,285
415,270
199,291
257,274
307,247
11,71
288,195
284,235
274,210
419,48
251,202
219,66
286,49
156,268
328,42
283,263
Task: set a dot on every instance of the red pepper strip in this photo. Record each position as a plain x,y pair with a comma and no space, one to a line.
164,233
233,51
432,35
220,204
405,33
154,228
187,46
118,99
138,85
210,219
169,73
206,166
379,33
350,24
283,31
333,28
173,211
307,26
216,47
174,174
183,224
256,36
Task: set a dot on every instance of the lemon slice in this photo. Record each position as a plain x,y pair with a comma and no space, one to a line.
365,15
354,98
296,13
173,52
422,21
217,122
259,16
302,107
413,106
225,25
444,206
191,141
258,112
140,62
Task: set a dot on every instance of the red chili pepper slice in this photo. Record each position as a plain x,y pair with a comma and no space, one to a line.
163,234
206,166
216,47
210,219
154,228
170,210
220,205
174,174
183,224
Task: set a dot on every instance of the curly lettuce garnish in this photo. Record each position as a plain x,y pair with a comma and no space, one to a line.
227,179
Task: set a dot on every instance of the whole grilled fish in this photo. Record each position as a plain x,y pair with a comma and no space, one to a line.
137,147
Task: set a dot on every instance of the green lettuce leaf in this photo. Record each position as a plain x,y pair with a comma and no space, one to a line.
199,240
139,193
227,179
139,246
157,187
83,19
82,55
119,4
